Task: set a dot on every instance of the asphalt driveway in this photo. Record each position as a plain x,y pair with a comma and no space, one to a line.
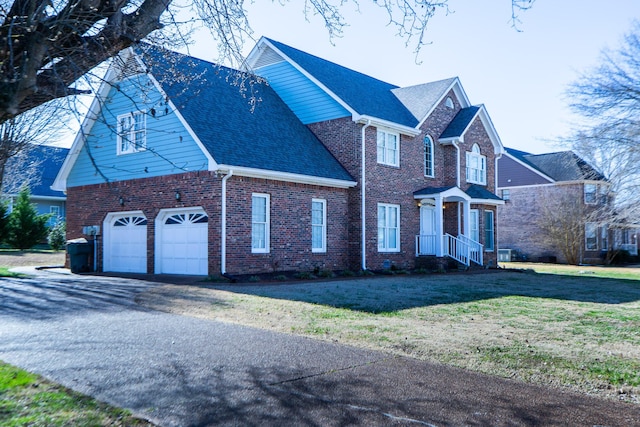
87,333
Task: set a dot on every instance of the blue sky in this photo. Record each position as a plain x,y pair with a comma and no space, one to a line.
519,75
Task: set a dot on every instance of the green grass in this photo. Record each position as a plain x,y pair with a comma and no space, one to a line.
577,330
28,400
4,272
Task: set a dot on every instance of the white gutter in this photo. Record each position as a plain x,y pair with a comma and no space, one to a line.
223,230
363,207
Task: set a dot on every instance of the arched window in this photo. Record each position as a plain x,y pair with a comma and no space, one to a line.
429,169
476,166
449,103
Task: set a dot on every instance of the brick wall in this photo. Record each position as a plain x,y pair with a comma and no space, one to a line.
290,218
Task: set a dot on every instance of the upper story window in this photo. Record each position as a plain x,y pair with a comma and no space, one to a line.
476,166
449,103
388,148
590,194
429,169
132,132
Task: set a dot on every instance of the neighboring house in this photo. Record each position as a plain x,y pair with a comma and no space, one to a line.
330,169
38,167
531,183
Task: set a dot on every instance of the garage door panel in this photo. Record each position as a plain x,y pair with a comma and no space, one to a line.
125,245
183,244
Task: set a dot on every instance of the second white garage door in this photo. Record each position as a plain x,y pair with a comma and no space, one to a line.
182,242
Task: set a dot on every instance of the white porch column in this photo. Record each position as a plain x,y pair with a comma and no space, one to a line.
467,215
439,225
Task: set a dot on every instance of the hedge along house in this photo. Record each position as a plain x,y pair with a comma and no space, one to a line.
193,168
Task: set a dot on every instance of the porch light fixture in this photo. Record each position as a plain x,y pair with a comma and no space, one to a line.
177,195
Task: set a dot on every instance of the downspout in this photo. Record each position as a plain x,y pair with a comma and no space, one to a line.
495,188
457,163
223,230
363,197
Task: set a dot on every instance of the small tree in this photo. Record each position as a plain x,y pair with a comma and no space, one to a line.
4,222
561,222
26,227
57,236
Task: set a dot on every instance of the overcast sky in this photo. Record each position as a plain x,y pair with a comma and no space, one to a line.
519,75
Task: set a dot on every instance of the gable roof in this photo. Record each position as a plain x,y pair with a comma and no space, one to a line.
458,126
268,136
47,160
558,166
364,95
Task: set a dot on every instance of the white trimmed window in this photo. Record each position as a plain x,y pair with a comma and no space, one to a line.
604,237
132,132
476,166
388,228
591,236
388,148
429,169
590,196
260,223
474,225
488,230
318,225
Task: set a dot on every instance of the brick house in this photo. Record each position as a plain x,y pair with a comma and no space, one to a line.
330,169
529,182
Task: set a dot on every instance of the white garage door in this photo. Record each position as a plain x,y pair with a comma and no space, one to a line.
183,242
125,242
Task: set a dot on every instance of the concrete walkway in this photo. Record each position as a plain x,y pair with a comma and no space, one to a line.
87,333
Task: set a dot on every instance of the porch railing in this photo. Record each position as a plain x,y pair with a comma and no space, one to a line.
461,248
426,244
475,249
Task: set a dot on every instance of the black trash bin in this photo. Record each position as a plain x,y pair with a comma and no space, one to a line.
79,251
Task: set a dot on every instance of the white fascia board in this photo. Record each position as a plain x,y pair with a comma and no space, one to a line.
452,140
379,123
457,90
212,164
512,187
451,192
487,202
498,147
60,183
286,176
531,168
336,98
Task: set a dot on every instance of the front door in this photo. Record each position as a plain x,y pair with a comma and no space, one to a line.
427,230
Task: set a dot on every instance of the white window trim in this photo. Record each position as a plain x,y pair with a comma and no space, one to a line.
429,142
131,133
267,228
493,231
482,166
604,237
323,248
388,206
474,226
595,194
384,160
595,236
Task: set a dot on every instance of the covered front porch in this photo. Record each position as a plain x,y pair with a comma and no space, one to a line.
449,227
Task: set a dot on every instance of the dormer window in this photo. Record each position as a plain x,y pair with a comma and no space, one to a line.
449,103
476,166
388,148
132,132
429,169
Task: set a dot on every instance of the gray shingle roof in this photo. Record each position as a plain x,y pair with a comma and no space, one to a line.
560,166
48,161
431,190
364,94
460,122
421,99
210,99
478,192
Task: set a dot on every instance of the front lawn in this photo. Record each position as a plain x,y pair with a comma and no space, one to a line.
29,400
576,331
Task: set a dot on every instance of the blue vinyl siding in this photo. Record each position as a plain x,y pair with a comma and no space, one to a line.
170,148
310,103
